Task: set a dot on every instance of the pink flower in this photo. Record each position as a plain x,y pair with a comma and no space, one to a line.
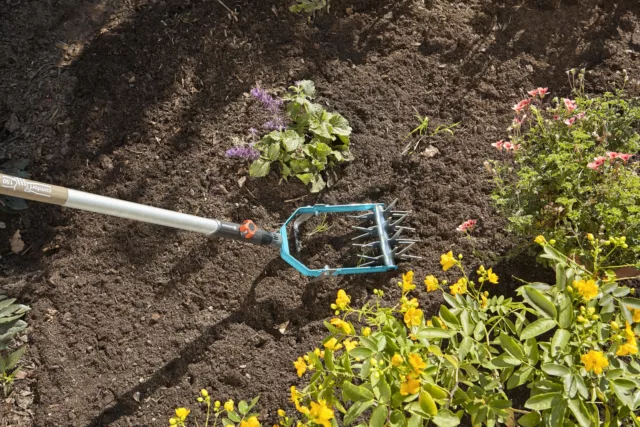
508,146
556,117
597,162
571,105
522,105
580,116
498,144
542,91
517,121
612,155
570,121
467,225
624,157
517,147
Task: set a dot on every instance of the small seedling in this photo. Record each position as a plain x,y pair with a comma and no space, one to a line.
322,227
308,6
423,132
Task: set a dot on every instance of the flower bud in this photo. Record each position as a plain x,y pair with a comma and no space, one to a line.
595,317
581,319
590,237
614,325
582,309
591,310
569,289
204,393
552,241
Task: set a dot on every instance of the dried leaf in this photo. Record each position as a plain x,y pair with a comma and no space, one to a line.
283,327
241,181
430,151
17,245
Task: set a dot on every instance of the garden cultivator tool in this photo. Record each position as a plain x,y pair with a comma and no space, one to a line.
382,224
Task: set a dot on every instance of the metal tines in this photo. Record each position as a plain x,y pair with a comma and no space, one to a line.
385,230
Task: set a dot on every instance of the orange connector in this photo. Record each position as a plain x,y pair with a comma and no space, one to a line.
248,229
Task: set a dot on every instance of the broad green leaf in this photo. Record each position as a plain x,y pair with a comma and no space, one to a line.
435,391
379,416
450,299
542,401
308,88
384,391
561,277
536,328
11,361
233,416
532,419
243,407
580,412
328,360
505,361
557,413
467,324
559,341
464,347
624,389
355,393
259,168
361,352
565,316
398,419
317,184
273,152
519,377
540,302
449,318
356,410
427,403
291,140
340,125
621,292
434,333
446,418
631,302
555,370
511,346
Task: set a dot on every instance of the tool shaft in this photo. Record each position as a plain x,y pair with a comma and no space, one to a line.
52,194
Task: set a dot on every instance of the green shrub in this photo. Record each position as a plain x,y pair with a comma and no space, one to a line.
572,171
225,414
570,346
10,325
308,6
310,141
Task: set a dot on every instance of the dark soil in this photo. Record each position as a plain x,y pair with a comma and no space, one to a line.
139,99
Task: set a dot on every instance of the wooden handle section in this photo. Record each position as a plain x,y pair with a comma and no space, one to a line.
32,190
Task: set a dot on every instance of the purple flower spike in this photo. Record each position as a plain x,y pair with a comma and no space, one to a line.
269,102
276,124
248,153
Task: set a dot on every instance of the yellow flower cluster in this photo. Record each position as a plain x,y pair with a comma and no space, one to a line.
320,413
342,301
587,288
447,261
410,385
407,284
431,283
594,361
460,287
417,363
342,325
413,317
251,422
333,344
630,347
540,240
181,415
487,275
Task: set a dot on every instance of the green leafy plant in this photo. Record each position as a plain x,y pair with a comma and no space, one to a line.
308,6
10,325
220,414
572,170
15,168
422,130
571,346
312,142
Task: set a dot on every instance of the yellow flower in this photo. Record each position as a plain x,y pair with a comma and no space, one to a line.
295,396
182,414
409,386
628,332
408,303
318,353
332,345
627,349
407,282
204,393
320,413
350,345
396,360
587,288
430,323
432,283
540,240
460,287
447,260
341,324
412,317
417,363
342,300
492,277
281,413
366,331
483,302
301,366
173,421
636,315
251,422
228,405
594,361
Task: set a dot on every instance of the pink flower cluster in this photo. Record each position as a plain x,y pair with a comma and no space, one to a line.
569,104
611,156
467,225
541,91
506,145
522,105
571,120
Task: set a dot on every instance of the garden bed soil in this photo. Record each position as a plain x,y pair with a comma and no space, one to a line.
139,99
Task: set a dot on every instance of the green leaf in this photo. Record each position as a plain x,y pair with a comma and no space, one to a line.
397,418
233,416
559,341
580,412
340,125
355,393
259,168
555,370
467,323
557,414
306,178
356,410
536,299
307,87
536,328
450,299
361,353
427,403
379,416
519,377
532,419
465,346
11,361
505,361
328,360
624,388
291,140
511,346
449,318
434,333
565,317
273,152
542,401
435,391
631,302
243,408
446,418
384,391
317,184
